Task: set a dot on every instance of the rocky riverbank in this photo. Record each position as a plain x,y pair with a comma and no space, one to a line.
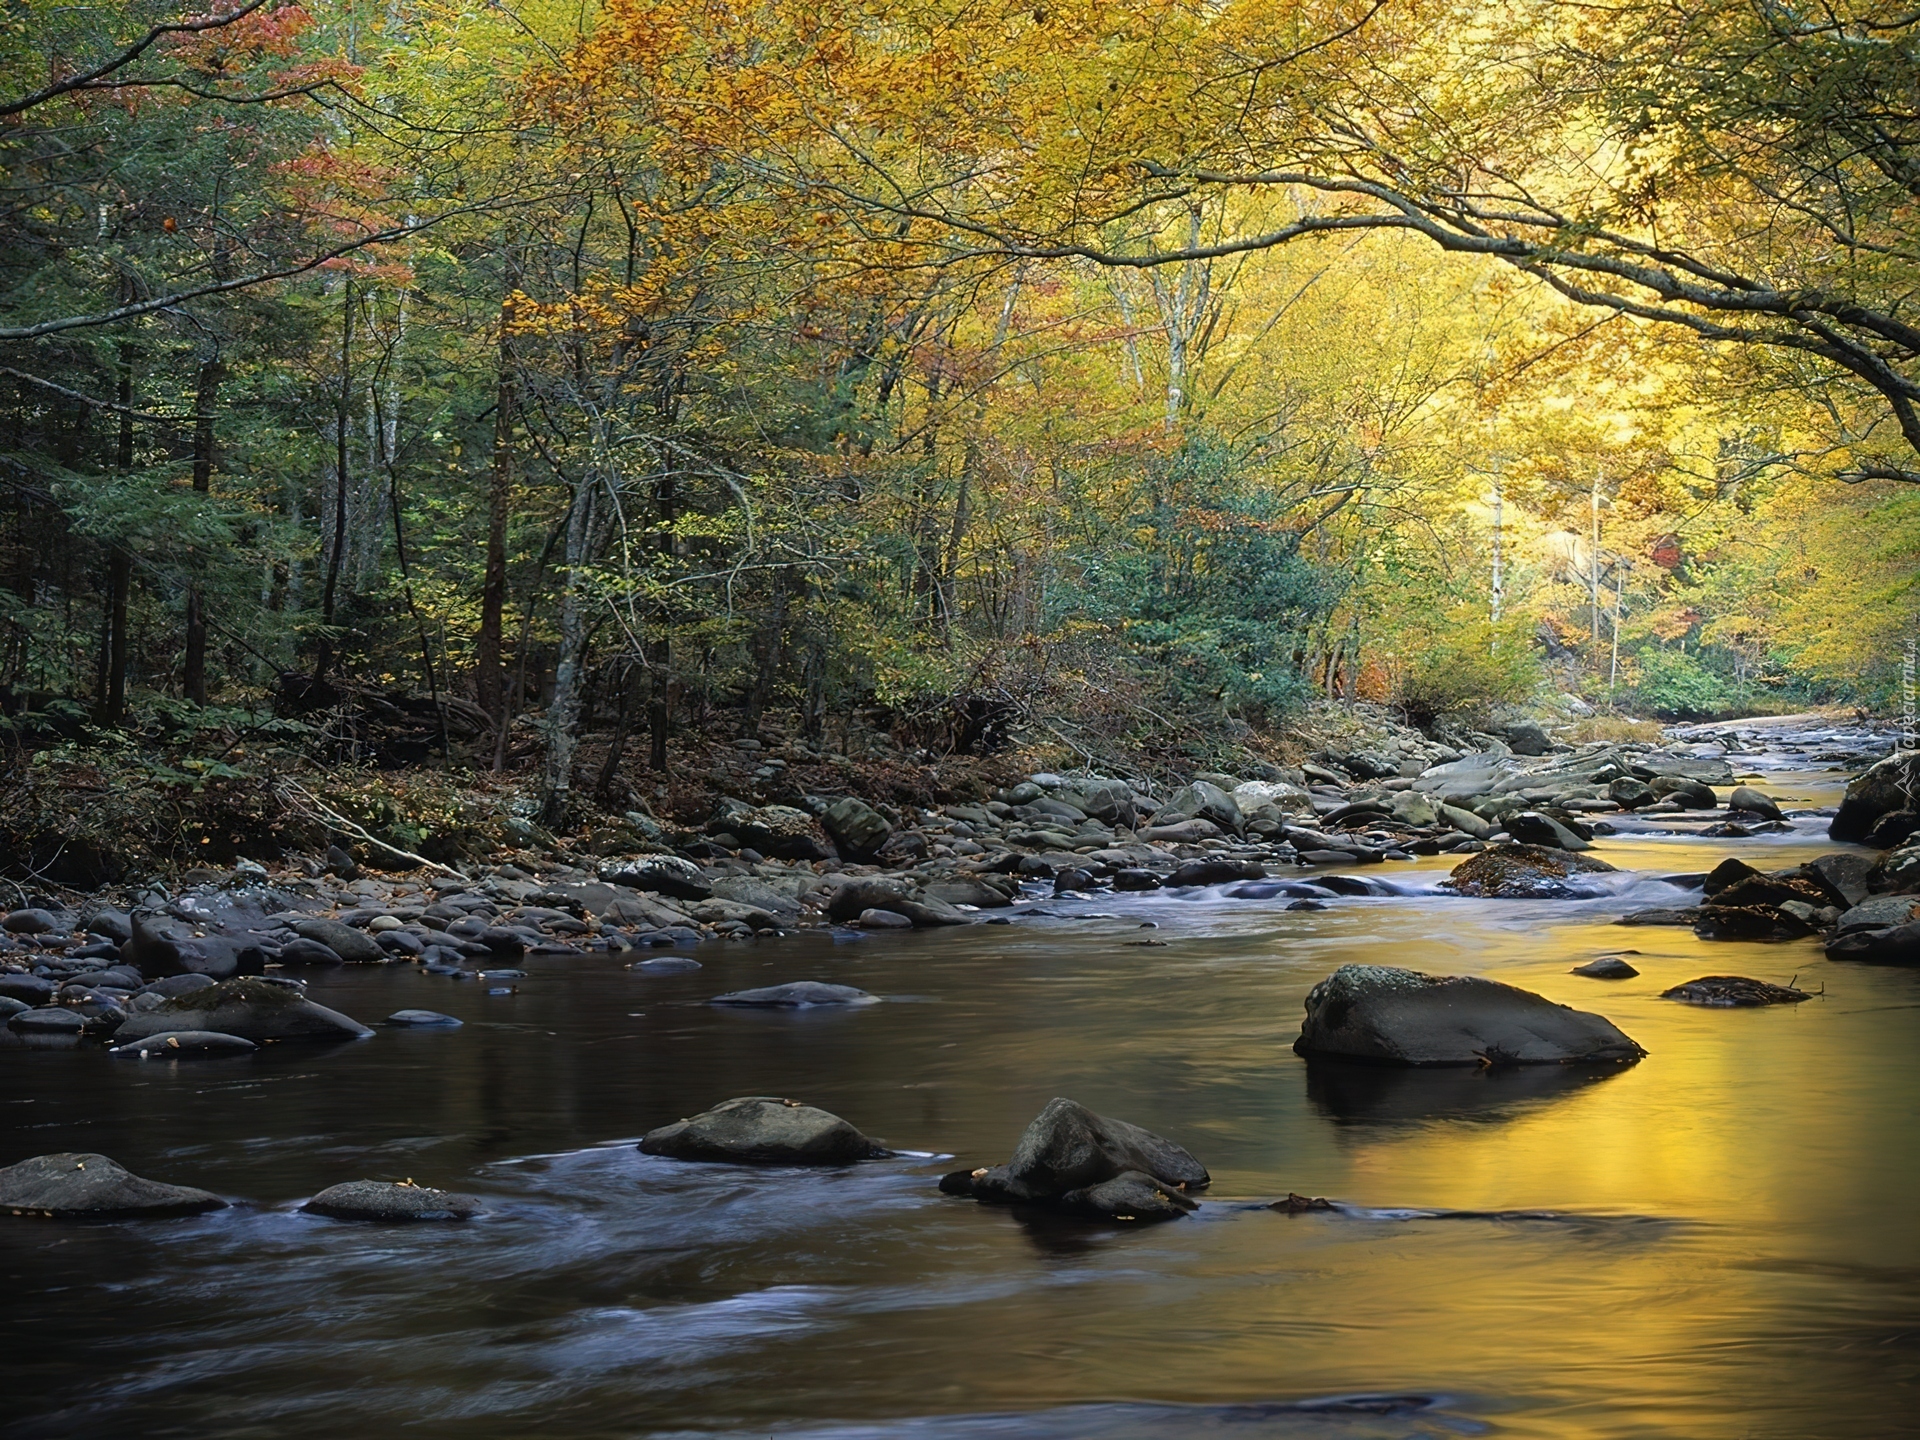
74,968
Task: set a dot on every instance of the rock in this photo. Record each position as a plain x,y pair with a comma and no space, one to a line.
1607,967
1728,872
1068,1156
1390,1016
160,948
9,1007
380,1200
307,952
662,874
1526,737
185,1045
355,947
962,890
1878,913
1465,821
27,989
763,1130
1111,803
1134,879
1521,872
168,986
92,1187
1630,794
1894,945
1746,798
1766,890
1214,872
883,920
1256,794
1898,872
115,925
1893,784
1182,832
1201,801
1687,794
748,890
31,921
1843,875
1131,1195
1410,807
1699,769
667,965
1369,765
797,995
424,1019
1530,827
50,1020
781,831
1893,829
1685,916
875,893
1478,774
858,830
1072,880
1733,990
251,1008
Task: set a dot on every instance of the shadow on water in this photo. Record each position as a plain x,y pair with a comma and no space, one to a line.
1352,1094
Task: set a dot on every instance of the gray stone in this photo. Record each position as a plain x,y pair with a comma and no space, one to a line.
1607,967
302,951
763,1130
1894,945
749,890
27,989
1384,1015
89,1187
962,890
185,1045
1068,1153
1878,913
1410,807
1202,801
160,947
51,1020
1470,775
1521,872
1630,794
1750,800
662,874
31,921
253,1009
1844,875
1465,821
797,995
1527,738
883,920
858,830
381,1200
424,1020
355,947
1530,827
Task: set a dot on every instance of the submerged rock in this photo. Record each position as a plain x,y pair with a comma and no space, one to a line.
763,1130
253,1009
1727,991
1074,1159
1607,967
381,1200
797,995
1889,945
424,1020
87,1187
186,1045
1521,872
1390,1016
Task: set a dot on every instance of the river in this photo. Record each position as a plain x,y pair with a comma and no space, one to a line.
1733,1247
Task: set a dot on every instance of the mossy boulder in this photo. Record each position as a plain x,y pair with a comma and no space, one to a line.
1521,872
253,1009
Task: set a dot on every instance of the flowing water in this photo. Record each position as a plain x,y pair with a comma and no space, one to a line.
1730,1243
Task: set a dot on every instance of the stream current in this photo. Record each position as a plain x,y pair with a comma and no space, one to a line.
1725,1239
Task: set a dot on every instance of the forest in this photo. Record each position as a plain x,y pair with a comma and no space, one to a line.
543,390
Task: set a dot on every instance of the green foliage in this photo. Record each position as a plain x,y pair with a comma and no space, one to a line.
1465,665
1676,686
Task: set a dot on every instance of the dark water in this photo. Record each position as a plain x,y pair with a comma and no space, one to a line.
1734,1248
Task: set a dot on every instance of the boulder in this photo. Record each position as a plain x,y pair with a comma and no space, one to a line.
355,947
424,1020
1687,794
1898,872
1753,802
92,1187
1878,913
1893,945
1130,878
185,1045
168,986
253,1009
763,1130
752,891
1530,827
1389,1016
1704,770
797,995
1073,1158
1471,775
1526,737
1893,829
302,951
1607,967
27,989
30,921
962,890
1410,807
1729,991
114,925
1630,794
49,1020
1256,794
1214,872
159,947
1893,784
1521,872
1110,802
662,875
781,831
880,893
1201,801
882,920
1465,821
382,1200
858,830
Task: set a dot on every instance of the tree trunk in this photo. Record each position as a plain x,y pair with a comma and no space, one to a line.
343,403
112,703
489,674
206,391
563,711
660,648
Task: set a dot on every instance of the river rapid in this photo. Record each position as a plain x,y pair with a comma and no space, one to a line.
1724,1240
